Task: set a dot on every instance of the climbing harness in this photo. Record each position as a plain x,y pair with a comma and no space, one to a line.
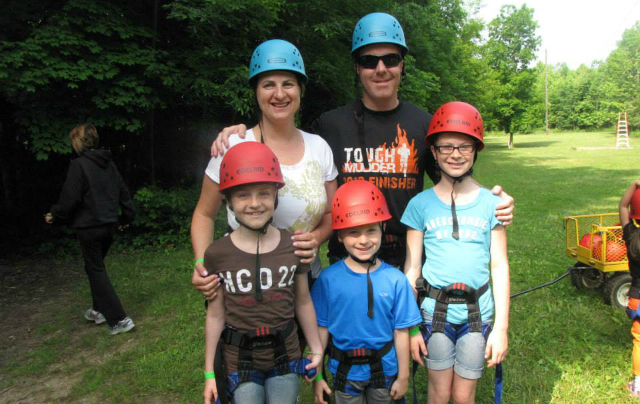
358,356
634,293
456,293
247,343
259,339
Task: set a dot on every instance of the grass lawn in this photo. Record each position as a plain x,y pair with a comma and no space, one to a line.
566,346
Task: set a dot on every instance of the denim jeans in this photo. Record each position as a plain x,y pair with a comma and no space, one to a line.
466,356
276,390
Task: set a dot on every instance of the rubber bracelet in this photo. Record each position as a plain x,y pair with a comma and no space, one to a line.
318,377
198,261
209,375
414,331
314,353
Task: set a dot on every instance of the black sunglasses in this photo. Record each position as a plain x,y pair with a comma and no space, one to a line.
371,61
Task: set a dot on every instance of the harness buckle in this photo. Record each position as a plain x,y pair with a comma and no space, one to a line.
421,285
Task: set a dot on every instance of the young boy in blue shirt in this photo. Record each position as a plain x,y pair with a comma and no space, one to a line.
364,306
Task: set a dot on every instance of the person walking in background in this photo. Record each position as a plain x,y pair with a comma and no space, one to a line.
630,221
89,203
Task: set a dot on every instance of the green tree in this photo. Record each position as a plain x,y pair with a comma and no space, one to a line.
86,61
509,51
622,77
222,36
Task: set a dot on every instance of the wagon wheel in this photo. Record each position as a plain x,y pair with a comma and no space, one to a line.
616,290
586,277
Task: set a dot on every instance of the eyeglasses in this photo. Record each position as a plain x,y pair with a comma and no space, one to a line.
371,61
465,149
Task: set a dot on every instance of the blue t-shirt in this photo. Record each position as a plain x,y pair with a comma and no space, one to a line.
449,260
340,299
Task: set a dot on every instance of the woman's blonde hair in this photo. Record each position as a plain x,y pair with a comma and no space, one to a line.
84,137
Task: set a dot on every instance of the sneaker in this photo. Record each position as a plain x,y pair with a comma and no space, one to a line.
632,389
122,326
95,316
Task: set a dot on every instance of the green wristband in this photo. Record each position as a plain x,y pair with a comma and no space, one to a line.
318,377
414,331
209,375
195,262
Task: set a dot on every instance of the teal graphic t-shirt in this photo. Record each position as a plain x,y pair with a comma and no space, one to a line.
449,260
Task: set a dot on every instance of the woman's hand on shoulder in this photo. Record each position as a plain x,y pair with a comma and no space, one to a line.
206,284
221,144
504,210
306,246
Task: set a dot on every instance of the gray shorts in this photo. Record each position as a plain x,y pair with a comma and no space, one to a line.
367,394
466,356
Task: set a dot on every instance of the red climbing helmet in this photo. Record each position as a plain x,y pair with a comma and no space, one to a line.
635,204
358,203
249,163
458,117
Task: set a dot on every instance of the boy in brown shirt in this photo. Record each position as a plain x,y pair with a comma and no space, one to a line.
265,287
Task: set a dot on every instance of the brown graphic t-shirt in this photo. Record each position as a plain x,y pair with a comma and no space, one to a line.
242,310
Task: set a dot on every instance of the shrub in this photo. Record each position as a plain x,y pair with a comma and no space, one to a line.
163,217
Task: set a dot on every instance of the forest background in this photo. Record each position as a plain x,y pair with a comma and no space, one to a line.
160,78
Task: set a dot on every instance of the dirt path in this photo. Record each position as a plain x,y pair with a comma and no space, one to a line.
36,296
32,293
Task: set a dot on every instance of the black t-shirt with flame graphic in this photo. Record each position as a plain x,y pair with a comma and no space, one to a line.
395,149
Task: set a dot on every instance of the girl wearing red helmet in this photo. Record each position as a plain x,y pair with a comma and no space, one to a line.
364,305
630,221
265,286
454,224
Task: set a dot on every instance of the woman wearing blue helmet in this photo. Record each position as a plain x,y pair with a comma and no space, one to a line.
277,75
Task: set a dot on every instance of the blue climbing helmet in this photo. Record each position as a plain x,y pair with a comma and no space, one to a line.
378,28
276,54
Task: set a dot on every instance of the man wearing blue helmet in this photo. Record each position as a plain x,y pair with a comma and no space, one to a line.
379,138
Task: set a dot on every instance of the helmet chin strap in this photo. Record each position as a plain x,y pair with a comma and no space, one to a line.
456,229
260,231
371,261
